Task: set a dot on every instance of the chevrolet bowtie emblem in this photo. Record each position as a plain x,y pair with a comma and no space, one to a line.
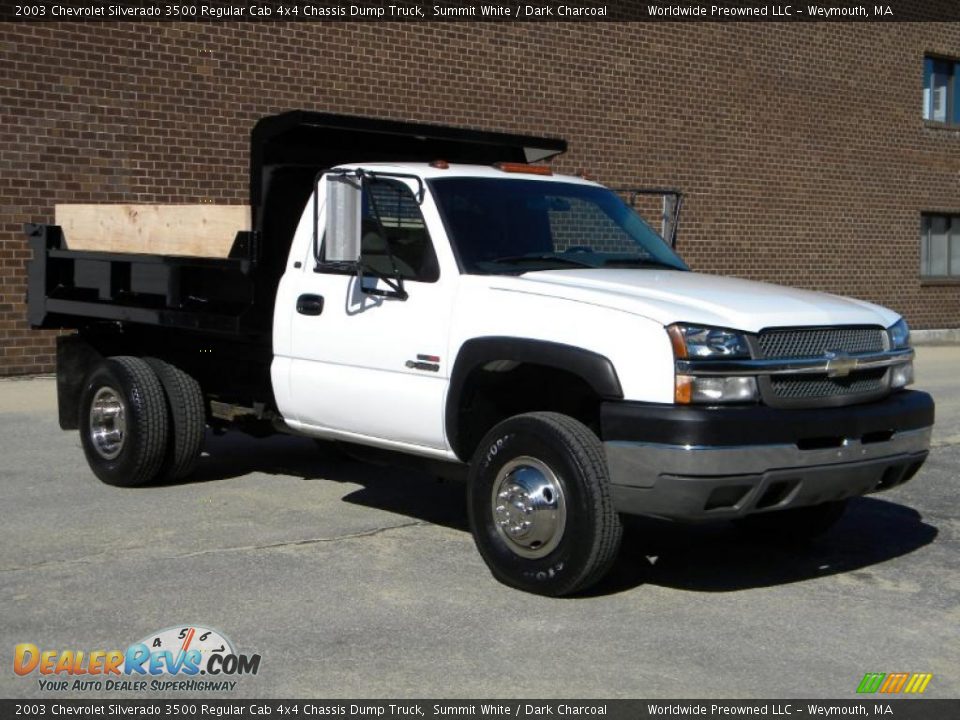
839,364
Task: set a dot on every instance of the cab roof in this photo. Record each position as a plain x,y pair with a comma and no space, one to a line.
427,171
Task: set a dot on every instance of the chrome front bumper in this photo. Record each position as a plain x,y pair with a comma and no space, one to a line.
700,482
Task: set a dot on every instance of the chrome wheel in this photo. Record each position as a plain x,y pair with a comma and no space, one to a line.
108,424
529,508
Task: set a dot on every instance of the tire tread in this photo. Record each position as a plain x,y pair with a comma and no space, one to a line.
187,416
148,396
589,455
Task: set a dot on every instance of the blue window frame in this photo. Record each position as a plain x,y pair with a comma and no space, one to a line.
941,96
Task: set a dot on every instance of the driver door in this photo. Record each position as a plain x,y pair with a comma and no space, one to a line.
370,367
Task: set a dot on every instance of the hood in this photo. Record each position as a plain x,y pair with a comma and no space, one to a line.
670,296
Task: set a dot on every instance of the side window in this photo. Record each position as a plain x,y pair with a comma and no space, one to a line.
394,236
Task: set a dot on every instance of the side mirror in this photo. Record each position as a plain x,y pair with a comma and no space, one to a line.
342,243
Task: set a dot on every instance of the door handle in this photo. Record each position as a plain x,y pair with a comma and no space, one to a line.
310,304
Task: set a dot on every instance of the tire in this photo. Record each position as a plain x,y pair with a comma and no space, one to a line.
123,422
573,534
187,418
794,526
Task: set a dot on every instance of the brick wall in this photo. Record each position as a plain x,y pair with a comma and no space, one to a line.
801,147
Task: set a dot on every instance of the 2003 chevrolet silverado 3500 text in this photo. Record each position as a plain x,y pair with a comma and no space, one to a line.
430,293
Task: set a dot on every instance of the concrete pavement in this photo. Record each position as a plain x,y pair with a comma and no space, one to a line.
360,581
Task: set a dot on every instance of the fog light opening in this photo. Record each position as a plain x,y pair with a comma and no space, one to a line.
726,497
901,375
776,493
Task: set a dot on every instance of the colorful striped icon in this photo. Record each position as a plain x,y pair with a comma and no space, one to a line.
894,682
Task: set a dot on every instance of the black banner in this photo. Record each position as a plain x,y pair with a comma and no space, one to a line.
873,707
478,10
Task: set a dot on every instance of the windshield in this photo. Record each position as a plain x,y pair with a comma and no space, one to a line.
511,226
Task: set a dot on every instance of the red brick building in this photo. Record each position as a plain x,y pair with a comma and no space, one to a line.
825,156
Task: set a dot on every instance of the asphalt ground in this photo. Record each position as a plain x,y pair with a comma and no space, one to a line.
352,580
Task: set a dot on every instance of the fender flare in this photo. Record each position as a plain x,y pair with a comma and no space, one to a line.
594,369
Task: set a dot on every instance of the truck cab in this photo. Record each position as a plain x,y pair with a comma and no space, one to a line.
474,295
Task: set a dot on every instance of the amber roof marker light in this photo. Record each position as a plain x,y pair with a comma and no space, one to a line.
514,167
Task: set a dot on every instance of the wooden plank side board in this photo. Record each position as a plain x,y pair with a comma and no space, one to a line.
197,230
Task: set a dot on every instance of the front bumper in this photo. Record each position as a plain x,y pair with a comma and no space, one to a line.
699,463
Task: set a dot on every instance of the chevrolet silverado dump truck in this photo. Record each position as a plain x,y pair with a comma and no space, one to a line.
438,293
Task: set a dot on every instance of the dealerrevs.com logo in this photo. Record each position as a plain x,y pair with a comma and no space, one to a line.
186,657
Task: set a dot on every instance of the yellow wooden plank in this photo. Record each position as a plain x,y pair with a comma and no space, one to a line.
198,230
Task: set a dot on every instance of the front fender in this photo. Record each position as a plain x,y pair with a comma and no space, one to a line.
593,368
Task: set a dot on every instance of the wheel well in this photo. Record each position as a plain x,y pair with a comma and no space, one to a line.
503,388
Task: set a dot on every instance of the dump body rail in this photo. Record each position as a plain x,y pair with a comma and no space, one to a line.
72,289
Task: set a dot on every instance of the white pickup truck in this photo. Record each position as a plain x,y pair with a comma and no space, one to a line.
455,302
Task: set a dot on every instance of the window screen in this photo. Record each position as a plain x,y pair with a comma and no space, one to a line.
578,223
399,241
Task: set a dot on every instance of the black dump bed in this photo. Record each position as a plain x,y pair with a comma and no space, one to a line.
234,296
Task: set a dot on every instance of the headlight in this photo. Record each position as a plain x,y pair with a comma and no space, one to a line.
694,341
699,342
900,375
899,335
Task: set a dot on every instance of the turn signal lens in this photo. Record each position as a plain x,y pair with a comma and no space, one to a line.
677,341
689,389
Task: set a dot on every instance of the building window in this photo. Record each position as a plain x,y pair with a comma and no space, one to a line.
941,99
940,246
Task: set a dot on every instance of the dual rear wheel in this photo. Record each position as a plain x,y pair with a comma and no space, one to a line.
142,420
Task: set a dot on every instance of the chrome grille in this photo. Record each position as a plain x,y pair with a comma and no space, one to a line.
818,390
812,387
816,342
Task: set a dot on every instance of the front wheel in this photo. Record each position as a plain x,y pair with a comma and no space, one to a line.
539,504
